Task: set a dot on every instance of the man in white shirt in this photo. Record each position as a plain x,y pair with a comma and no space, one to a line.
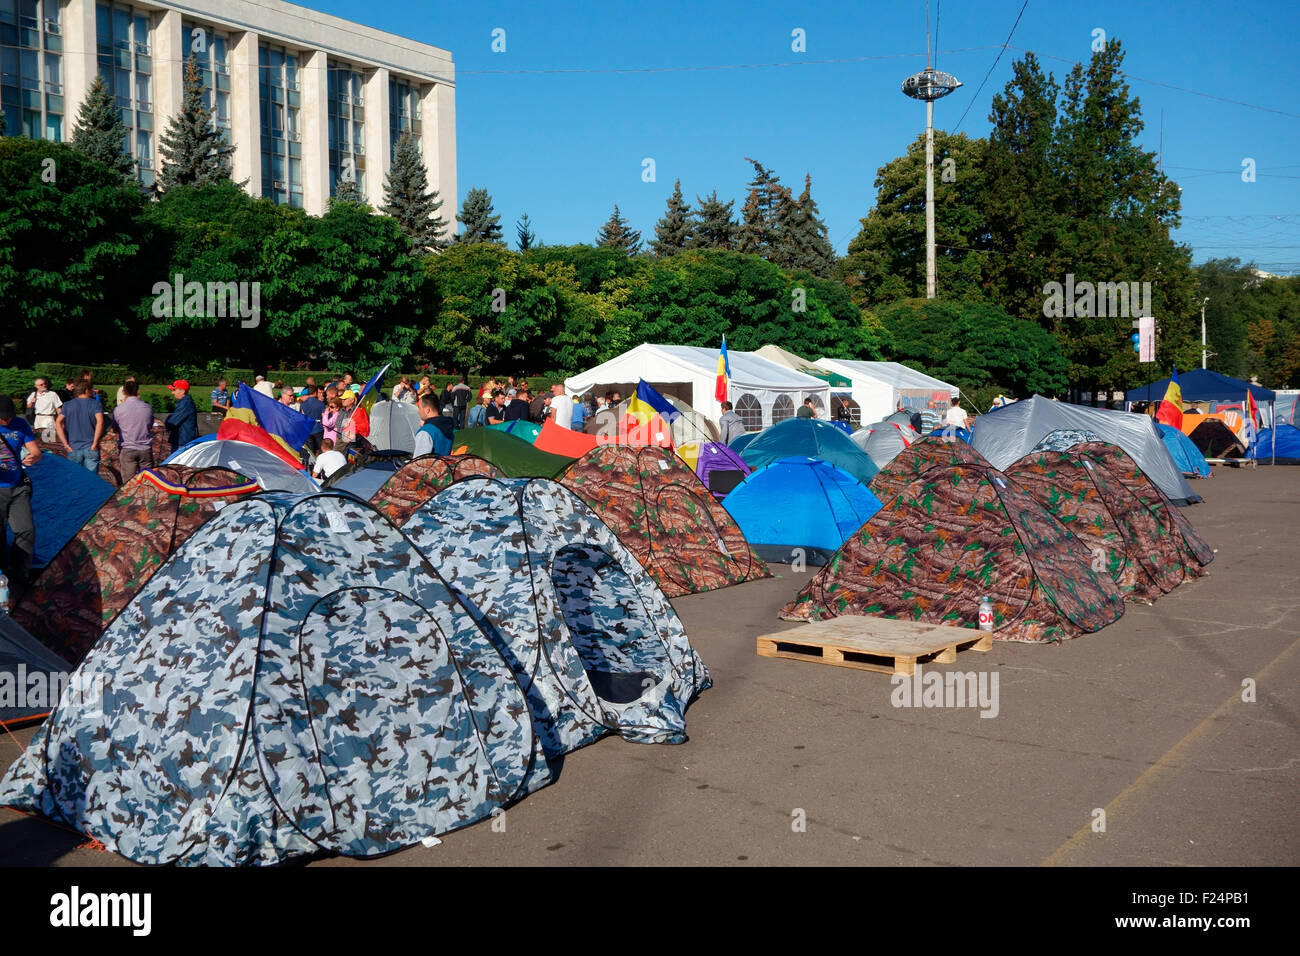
561,407
43,405
957,416
328,461
260,384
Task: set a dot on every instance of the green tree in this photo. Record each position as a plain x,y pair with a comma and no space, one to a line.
1270,310
1227,284
976,346
491,308
1021,193
524,235
69,243
617,233
408,200
477,221
347,191
192,150
673,231
99,132
886,260
1116,210
760,215
802,237
714,226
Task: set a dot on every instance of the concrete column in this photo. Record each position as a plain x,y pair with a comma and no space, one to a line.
379,156
245,113
80,63
438,119
313,124
171,49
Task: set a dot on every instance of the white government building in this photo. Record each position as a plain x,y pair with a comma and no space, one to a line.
305,98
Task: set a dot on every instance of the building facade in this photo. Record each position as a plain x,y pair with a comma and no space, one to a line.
307,100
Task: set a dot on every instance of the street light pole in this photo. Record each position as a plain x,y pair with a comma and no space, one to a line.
929,85
929,199
1203,352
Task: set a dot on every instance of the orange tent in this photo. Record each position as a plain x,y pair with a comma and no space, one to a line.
559,440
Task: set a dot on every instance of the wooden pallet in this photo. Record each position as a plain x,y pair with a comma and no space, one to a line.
873,643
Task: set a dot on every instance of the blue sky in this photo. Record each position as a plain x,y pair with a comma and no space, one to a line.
565,146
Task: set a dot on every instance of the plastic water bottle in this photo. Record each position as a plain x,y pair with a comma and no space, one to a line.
986,614
4,594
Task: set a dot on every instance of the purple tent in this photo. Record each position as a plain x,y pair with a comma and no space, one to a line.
720,468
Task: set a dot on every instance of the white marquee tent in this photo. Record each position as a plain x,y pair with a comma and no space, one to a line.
878,387
762,391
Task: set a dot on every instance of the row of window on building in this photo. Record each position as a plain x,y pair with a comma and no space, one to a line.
750,410
31,92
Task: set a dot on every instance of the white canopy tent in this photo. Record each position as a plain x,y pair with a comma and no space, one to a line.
762,391
879,387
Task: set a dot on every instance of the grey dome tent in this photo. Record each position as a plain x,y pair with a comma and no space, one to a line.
882,441
31,675
591,637
393,426
1007,434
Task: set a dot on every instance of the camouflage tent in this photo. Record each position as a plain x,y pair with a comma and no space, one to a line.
952,536
1126,538
922,455
419,479
594,642
115,553
1196,553
666,517
298,679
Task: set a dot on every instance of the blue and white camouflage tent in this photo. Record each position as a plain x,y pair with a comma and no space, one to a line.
299,679
589,634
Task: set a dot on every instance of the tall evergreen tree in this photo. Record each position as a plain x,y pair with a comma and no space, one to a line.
615,232
801,241
1120,209
1021,192
192,151
408,200
673,231
524,235
759,214
714,226
477,221
99,132
347,191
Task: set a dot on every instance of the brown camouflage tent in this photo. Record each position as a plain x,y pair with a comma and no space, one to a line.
110,559
421,478
1127,539
665,516
953,535
918,457
1196,553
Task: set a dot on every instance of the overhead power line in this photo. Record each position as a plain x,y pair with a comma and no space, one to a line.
997,60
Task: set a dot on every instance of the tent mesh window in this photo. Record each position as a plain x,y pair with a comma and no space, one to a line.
750,412
782,409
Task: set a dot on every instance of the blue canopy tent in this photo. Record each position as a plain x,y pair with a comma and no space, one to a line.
1202,385
1183,451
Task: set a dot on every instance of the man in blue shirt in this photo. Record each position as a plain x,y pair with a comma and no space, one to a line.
220,398
313,406
18,448
434,436
81,426
183,423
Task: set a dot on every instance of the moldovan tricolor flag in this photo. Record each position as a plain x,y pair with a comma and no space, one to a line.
1171,406
1248,432
724,373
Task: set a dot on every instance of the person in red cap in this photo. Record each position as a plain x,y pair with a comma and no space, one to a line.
183,423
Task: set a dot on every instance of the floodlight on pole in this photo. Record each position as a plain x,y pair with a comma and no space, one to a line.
929,85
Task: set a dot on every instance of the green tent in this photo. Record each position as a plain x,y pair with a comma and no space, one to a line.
528,431
515,457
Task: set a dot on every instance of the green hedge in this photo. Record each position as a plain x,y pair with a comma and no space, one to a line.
60,372
17,383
